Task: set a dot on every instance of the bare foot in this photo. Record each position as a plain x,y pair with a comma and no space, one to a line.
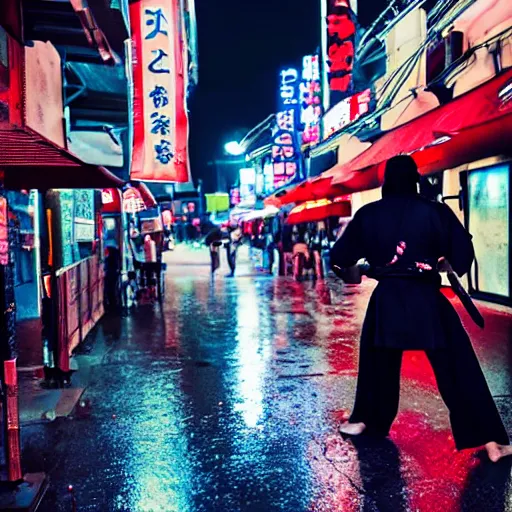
352,429
498,451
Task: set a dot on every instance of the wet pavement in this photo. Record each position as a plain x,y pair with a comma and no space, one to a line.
228,400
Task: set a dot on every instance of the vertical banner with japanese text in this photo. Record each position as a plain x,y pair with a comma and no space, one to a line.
4,232
160,133
340,52
311,99
286,155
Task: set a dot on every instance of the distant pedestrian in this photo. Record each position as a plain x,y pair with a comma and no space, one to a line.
404,237
112,275
301,256
214,241
234,242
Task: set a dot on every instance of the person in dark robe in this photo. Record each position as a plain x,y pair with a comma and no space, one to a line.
234,241
405,238
214,241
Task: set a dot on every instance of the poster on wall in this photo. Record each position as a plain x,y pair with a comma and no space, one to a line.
286,153
340,52
160,132
84,215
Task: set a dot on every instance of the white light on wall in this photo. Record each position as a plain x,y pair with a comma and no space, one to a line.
248,176
234,148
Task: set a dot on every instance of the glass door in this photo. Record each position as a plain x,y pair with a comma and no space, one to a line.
488,216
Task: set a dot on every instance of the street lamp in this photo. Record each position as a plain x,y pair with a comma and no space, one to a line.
234,148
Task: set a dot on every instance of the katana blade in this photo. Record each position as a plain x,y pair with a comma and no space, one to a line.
466,300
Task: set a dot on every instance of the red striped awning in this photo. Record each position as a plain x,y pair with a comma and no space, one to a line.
314,211
28,160
309,190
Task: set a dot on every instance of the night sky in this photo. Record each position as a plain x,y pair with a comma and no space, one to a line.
242,46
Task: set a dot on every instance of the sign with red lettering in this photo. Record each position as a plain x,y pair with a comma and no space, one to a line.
341,31
160,139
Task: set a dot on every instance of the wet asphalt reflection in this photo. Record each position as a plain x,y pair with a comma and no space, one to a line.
227,399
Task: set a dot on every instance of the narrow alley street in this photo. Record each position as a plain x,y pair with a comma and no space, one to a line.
229,400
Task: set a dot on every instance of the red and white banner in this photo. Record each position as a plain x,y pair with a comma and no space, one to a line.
160,136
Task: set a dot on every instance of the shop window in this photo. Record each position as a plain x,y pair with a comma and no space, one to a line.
85,249
488,192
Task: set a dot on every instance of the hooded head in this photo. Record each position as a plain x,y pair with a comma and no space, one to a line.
401,177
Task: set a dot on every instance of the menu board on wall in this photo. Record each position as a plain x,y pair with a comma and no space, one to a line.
84,215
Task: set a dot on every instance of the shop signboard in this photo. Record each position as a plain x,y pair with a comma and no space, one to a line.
151,225
132,201
268,174
248,185
285,147
111,200
340,51
311,99
160,133
234,196
346,112
4,233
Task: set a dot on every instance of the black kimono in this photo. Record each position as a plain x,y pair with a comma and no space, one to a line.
402,237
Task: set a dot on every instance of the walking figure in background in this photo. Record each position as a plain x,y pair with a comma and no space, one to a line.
214,241
301,256
234,242
404,237
150,264
112,276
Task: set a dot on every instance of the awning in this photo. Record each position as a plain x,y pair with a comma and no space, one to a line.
28,160
269,211
310,190
314,211
473,126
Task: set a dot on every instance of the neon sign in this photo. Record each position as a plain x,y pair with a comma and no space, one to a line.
285,150
341,31
311,99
